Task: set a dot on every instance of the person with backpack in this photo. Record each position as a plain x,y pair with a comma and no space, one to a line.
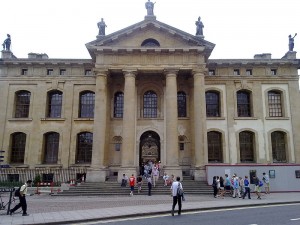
247,188
21,193
177,193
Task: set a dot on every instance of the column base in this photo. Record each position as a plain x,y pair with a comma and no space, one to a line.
200,173
173,170
128,171
96,175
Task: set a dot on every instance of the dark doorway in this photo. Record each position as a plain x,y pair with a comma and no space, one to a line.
149,147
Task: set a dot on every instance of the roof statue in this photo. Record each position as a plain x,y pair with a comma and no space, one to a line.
6,43
199,26
291,42
101,25
149,6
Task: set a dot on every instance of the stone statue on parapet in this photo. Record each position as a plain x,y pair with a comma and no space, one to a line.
291,42
101,25
6,43
199,26
149,6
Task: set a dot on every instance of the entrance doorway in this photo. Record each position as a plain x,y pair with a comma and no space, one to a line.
149,147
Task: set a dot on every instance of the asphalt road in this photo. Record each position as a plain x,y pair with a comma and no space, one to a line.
259,215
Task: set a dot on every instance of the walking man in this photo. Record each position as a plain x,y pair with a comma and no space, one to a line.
22,198
176,198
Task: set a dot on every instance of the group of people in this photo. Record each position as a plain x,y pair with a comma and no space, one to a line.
239,186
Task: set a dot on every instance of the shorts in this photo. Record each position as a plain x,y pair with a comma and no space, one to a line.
132,188
257,189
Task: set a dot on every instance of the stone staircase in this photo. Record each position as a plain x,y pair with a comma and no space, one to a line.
112,187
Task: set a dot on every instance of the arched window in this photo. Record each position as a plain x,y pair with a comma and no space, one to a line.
243,103
84,147
150,42
22,104
181,104
214,146
278,139
212,104
246,146
118,105
150,105
54,104
87,104
51,145
275,104
18,143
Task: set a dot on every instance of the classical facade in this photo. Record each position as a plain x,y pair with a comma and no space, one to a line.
149,92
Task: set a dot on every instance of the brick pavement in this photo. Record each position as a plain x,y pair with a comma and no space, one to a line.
45,209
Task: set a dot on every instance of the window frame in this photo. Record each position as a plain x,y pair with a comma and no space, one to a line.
118,105
54,110
84,148
244,109
18,148
215,147
51,148
181,104
150,104
22,104
86,110
210,105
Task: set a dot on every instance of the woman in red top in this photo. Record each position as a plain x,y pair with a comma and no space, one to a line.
131,184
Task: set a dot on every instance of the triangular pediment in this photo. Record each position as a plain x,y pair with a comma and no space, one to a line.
132,38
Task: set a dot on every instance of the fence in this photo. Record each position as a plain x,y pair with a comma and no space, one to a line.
24,174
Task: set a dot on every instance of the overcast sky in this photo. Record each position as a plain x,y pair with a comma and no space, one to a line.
239,28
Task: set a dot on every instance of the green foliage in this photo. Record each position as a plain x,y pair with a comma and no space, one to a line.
37,179
10,184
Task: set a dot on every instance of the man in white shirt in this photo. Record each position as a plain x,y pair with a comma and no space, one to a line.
22,198
176,198
267,183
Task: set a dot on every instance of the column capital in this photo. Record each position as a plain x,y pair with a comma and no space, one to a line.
199,71
129,72
101,72
171,72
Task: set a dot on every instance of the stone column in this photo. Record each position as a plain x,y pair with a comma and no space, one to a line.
129,124
172,165
98,172
200,137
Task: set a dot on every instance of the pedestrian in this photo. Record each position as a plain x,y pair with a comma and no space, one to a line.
139,180
236,187
176,197
257,187
218,186
131,184
222,188
227,185
241,183
166,179
155,174
266,180
214,186
149,181
124,181
22,198
247,188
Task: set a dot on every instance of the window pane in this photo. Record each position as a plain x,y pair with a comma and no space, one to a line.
18,144
212,104
275,108
181,102
118,105
278,147
51,147
243,104
54,104
150,105
246,146
22,104
84,147
87,101
214,142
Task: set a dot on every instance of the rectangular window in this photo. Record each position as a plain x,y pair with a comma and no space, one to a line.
273,72
181,146
62,72
49,71
249,72
117,147
211,72
236,72
13,177
24,71
48,177
88,72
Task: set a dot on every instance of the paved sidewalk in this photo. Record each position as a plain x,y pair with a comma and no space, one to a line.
45,209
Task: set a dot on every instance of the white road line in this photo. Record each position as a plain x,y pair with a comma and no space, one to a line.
295,219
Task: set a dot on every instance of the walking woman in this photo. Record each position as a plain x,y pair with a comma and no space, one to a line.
215,187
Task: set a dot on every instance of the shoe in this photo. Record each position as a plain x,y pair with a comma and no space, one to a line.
249,198
172,212
10,212
25,214
179,213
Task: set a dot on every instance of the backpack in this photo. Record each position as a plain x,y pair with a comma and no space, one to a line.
17,192
179,191
260,183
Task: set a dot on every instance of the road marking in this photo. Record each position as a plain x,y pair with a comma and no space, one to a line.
295,219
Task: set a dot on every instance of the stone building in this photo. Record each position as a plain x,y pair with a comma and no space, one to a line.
149,92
